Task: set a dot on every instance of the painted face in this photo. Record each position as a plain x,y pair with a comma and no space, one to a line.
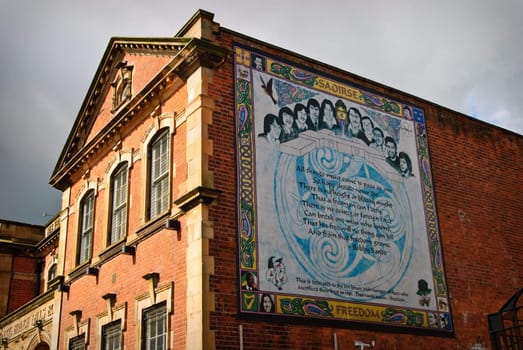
267,304
406,114
314,112
432,319
341,113
366,124
258,63
250,280
378,137
390,148
287,120
275,130
355,122
328,116
403,164
302,116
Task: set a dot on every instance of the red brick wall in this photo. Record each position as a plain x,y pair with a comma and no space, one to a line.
163,252
23,282
224,245
478,188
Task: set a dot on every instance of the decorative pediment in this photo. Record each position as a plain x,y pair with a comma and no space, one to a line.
114,78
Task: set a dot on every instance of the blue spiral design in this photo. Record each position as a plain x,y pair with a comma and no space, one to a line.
346,244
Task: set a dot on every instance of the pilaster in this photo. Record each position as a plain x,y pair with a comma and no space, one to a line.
198,191
199,116
60,270
201,25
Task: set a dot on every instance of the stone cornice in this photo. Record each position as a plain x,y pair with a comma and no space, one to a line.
196,196
48,240
27,308
201,53
8,246
150,46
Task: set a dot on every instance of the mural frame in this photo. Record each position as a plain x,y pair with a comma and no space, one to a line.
254,70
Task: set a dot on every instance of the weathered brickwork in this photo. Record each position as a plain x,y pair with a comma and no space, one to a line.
478,188
24,282
163,252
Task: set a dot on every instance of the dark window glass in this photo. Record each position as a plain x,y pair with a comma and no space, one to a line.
111,336
86,228
154,328
77,343
118,204
159,174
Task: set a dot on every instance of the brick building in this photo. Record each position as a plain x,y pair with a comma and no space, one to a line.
223,193
28,282
20,266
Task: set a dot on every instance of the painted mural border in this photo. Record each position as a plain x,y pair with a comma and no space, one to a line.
301,305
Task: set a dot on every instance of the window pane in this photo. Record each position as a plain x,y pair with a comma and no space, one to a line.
52,272
87,213
85,246
111,336
119,204
77,343
159,172
86,227
155,328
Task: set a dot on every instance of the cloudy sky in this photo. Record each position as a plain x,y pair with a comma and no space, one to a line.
466,55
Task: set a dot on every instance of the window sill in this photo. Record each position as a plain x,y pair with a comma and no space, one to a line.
55,282
111,251
151,227
78,271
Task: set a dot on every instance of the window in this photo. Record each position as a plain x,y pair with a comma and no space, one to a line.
86,228
111,336
77,343
154,328
159,174
118,219
51,274
110,325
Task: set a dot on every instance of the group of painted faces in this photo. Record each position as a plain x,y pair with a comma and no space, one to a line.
348,123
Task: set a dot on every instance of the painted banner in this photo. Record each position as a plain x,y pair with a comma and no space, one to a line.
336,212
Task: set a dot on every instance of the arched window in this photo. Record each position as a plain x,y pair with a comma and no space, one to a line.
51,274
158,174
85,237
118,211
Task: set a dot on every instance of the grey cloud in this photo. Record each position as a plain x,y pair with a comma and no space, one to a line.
464,55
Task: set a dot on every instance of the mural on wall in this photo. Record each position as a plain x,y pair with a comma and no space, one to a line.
336,212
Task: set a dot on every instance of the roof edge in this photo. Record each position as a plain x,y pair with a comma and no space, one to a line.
113,44
377,84
199,14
